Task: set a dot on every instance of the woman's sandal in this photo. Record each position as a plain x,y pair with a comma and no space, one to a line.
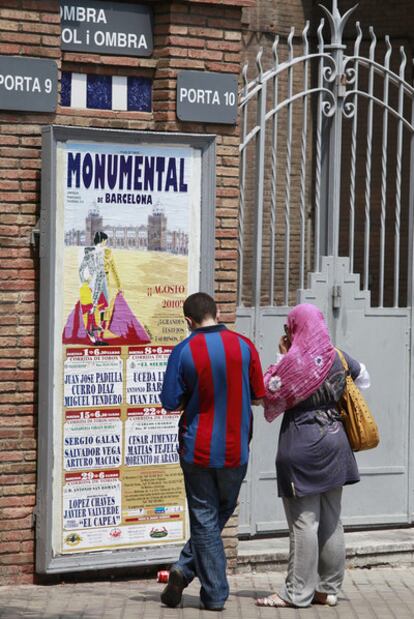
273,601
326,599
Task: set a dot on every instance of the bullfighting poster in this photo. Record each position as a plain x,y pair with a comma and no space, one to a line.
131,254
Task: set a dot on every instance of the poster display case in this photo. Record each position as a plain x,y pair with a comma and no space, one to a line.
126,233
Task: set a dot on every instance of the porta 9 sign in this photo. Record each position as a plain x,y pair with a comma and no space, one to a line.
34,77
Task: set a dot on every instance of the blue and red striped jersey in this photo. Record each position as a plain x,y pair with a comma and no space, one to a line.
216,373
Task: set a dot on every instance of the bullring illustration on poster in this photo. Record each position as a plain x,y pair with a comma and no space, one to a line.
131,239
126,245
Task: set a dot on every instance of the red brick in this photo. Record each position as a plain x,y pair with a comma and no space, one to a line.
8,185
15,536
9,433
27,546
190,42
224,68
51,40
8,25
17,37
10,502
43,28
224,45
47,52
8,140
19,15
205,54
233,36
52,18
231,58
7,547
207,33
8,456
7,48
181,30
17,559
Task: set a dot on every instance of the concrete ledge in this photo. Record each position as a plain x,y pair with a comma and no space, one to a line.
391,547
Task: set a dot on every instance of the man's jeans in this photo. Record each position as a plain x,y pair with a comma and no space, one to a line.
212,498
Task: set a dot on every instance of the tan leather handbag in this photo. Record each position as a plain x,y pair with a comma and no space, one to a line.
359,423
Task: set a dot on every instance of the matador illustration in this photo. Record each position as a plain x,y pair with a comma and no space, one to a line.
97,266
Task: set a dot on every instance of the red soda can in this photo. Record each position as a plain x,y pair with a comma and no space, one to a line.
163,576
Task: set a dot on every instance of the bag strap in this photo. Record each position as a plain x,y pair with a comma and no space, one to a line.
343,360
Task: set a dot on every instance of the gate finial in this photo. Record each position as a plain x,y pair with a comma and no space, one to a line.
337,22
259,64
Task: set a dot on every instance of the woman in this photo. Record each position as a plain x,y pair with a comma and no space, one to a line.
314,460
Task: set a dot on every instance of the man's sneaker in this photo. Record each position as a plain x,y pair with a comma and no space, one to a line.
212,608
217,607
172,594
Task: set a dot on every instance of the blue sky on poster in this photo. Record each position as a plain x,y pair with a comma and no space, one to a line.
78,202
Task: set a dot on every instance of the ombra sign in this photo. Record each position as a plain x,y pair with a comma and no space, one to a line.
106,28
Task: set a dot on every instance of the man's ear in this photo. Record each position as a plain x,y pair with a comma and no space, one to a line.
218,315
190,322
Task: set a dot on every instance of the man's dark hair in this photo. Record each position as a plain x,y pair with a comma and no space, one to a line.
99,237
200,306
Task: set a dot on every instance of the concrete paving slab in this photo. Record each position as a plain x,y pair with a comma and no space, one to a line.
379,593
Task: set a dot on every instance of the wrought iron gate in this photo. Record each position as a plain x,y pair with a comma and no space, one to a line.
327,170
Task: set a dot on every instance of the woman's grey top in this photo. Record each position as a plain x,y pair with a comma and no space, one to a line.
314,455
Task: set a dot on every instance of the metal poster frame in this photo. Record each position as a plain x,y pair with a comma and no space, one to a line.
46,561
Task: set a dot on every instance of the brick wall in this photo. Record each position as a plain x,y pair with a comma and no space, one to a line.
188,34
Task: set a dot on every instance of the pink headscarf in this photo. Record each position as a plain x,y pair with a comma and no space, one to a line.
304,367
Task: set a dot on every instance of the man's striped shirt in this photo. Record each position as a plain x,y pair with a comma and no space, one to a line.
216,373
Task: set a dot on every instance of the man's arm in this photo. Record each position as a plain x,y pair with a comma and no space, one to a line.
173,388
256,377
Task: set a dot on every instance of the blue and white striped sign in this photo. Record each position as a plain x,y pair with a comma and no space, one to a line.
106,92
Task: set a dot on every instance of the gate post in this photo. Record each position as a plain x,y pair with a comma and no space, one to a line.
260,156
332,136
410,303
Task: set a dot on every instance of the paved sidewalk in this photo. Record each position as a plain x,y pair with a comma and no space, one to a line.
379,592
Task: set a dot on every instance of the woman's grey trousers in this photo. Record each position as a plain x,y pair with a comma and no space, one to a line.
317,547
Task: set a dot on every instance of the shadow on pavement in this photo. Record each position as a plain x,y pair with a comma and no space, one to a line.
248,593
14,612
189,601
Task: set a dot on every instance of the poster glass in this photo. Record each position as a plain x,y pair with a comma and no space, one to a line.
128,253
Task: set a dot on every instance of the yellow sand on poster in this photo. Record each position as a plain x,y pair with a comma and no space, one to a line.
142,274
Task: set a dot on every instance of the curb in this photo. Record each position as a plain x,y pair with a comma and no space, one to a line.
390,547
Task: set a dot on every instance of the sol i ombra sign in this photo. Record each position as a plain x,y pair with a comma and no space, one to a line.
113,28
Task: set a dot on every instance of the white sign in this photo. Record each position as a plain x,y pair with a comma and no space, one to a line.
106,28
28,84
207,97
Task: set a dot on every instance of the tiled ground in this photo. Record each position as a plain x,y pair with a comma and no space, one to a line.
367,593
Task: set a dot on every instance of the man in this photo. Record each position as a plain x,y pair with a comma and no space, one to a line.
213,376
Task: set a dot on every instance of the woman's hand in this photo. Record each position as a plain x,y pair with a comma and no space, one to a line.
284,345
